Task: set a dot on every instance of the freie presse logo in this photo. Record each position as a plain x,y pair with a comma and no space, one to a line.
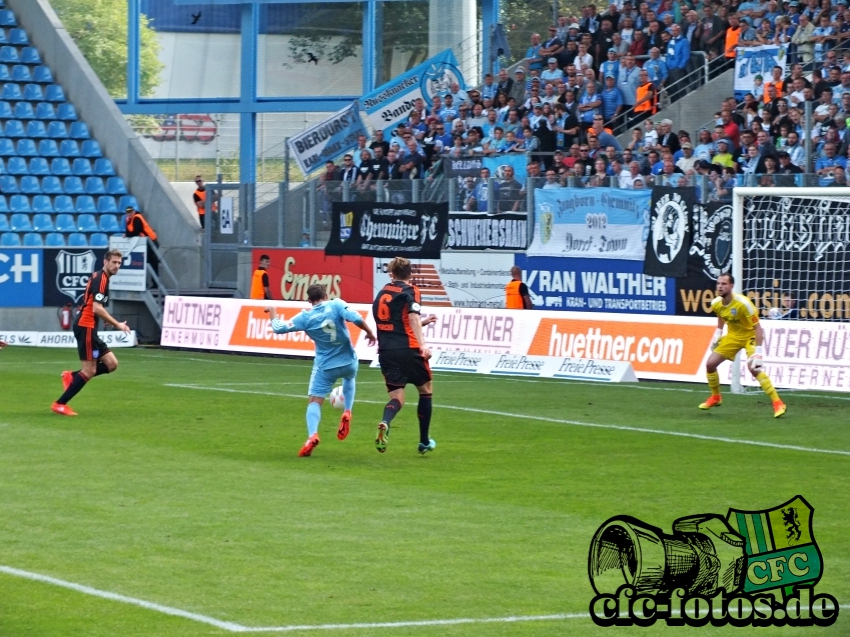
750,568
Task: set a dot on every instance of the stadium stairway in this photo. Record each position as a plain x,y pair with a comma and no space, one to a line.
69,162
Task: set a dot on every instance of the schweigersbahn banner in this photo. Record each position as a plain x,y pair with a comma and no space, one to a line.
602,223
415,230
328,139
484,232
391,103
757,60
667,348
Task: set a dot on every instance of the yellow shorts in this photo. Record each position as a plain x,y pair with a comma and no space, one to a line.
729,346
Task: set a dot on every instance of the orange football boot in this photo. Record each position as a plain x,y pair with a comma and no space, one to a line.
63,410
715,400
344,425
307,449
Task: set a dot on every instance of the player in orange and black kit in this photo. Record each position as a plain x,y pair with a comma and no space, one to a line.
402,352
95,356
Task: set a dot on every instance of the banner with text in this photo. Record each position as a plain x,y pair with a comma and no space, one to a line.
21,277
391,103
112,338
293,270
670,235
597,223
594,285
757,60
328,139
414,230
475,231
710,256
133,273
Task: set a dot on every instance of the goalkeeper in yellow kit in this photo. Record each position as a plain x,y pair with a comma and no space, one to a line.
743,332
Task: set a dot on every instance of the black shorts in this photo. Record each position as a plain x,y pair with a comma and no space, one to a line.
89,345
403,366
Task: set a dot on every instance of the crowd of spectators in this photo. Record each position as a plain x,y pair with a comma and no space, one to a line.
591,74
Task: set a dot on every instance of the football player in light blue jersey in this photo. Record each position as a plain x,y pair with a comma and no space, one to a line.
325,324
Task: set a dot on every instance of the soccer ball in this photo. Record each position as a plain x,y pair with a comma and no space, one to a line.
337,399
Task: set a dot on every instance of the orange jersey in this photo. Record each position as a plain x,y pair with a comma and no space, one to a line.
391,310
97,291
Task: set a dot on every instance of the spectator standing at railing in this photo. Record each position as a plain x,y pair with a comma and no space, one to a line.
822,36
518,87
638,46
612,99
589,106
510,197
678,56
628,81
611,66
532,54
657,68
830,163
626,178
803,39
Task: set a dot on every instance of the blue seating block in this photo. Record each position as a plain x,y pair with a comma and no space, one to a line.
26,148
61,167
42,223
103,167
109,223
65,223
33,240
39,166
20,221
86,223
115,186
82,167
64,204
17,166
74,186
77,240
94,186
107,204
42,204
91,149
7,19
54,92
47,148
99,240
10,240
51,185
69,148
55,240
79,130
45,111
30,185
42,75
85,204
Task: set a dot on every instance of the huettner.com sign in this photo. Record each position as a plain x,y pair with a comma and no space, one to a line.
667,348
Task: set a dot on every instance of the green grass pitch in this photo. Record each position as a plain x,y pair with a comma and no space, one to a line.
194,498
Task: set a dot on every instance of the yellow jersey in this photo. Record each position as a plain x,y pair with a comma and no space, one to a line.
740,316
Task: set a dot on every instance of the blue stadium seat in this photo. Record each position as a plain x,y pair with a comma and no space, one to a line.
9,185
42,204
10,240
65,223
54,240
103,167
11,91
57,130
4,223
86,223
24,110
20,222
42,75
109,223
85,203
21,73
48,148
128,200
69,148
36,129
33,240
64,204
33,92
79,130
18,37
77,240
66,112
9,55
5,75
7,19
17,166
82,167
4,207
115,186
39,166
106,204
7,147
45,111
26,148
19,204
5,110
54,92
42,222
91,148
99,240
74,186
30,55
61,167
15,128
3,38
51,186
30,185
94,186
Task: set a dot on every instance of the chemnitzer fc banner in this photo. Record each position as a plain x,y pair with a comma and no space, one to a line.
413,230
390,104
486,232
327,140
670,234
710,256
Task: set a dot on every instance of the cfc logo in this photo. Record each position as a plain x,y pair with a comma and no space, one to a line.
73,271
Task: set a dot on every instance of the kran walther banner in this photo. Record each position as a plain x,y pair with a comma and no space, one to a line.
328,139
413,230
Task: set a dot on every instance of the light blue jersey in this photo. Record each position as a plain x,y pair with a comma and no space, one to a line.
325,323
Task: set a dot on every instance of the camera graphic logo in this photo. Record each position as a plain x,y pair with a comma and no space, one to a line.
750,568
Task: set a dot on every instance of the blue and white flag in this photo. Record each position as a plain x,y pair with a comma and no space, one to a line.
595,223
757,60
328,139
391,103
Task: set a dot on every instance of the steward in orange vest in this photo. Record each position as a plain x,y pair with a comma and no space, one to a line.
646,97
260,280
137,225
517,296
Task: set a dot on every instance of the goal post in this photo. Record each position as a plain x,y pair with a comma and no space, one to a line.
791,256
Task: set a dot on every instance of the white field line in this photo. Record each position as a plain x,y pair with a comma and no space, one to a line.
577,423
